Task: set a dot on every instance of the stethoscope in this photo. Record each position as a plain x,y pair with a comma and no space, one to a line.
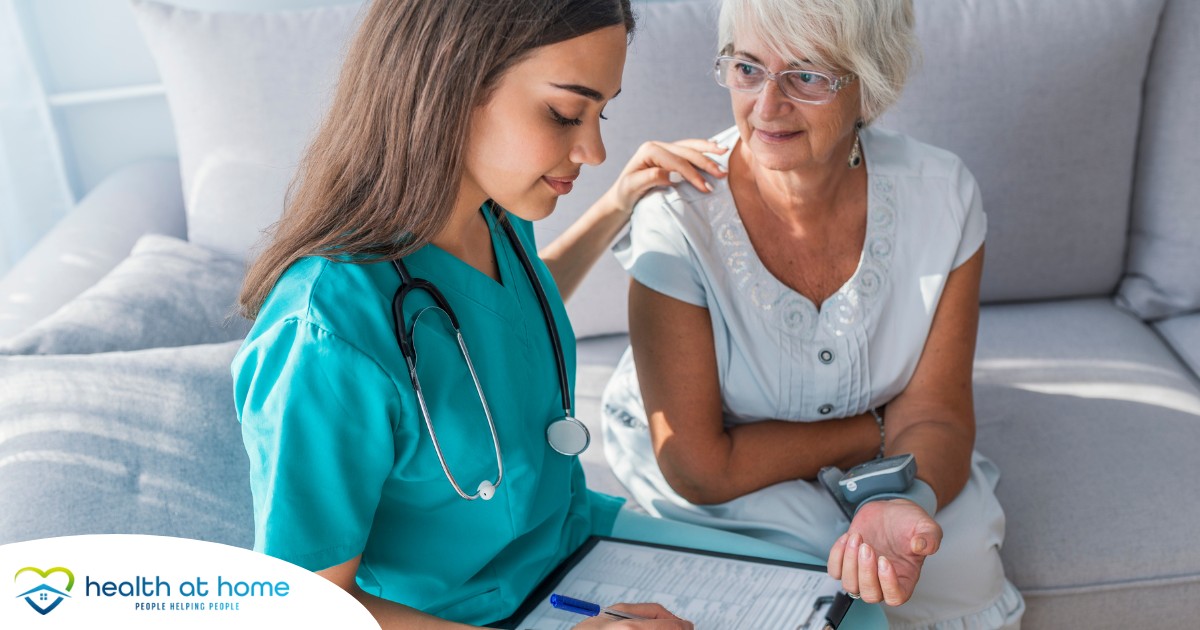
567,435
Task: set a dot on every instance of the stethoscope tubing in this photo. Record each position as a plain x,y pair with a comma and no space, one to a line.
408,284
547,314
437,445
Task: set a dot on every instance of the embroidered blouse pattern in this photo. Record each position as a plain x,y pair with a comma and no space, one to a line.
794,313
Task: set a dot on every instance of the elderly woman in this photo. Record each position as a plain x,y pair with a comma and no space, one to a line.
817,308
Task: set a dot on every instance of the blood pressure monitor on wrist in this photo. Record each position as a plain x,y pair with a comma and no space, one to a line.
890,474
888,478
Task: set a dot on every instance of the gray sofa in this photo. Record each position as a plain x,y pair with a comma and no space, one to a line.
1077,117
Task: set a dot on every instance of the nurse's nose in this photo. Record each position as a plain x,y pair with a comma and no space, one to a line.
589,146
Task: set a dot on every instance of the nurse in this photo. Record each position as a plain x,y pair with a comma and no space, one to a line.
424,481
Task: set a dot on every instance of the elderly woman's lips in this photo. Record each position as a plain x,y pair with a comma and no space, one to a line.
776,136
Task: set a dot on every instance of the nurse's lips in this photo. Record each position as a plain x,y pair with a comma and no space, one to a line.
560,185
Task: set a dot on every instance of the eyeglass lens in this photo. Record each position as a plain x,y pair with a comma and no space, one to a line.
744,76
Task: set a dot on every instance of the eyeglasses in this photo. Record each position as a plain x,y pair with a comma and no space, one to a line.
805,86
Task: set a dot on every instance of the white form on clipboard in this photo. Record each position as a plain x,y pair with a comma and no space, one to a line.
714,591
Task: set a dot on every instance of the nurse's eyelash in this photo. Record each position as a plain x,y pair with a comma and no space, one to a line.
563,120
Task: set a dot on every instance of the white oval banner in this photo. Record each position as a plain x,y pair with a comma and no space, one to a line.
133,581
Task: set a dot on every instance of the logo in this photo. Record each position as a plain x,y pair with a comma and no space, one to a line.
44,597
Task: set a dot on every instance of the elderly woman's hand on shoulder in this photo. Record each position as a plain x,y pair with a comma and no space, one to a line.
653,164
880,557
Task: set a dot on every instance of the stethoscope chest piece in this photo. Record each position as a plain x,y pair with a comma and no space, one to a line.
568,436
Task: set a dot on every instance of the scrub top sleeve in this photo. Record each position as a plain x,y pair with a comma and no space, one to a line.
970,212
316,424
657,254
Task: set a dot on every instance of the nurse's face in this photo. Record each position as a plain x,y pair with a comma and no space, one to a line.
542,123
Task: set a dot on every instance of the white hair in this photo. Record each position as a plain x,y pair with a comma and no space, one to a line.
873,39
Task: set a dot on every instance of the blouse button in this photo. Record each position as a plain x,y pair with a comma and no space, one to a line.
825,409
825,356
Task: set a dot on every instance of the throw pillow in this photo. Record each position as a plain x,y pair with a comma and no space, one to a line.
168,292
246,92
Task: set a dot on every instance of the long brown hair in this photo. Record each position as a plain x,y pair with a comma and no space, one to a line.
373,182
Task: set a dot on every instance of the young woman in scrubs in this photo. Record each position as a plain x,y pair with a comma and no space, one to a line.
450,119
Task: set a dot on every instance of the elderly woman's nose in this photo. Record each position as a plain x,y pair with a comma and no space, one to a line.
771,100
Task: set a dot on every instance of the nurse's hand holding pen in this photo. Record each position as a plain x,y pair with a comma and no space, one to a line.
655,618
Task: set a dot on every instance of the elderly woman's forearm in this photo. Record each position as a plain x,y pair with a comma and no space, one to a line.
745,458
570,256
943,453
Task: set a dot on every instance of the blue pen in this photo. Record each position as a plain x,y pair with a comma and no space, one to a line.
578,606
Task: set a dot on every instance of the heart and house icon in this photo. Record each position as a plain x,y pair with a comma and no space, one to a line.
44,590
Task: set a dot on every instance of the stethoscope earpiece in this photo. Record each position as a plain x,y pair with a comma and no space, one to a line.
486,490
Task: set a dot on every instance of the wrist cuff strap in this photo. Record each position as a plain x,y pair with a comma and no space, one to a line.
919,492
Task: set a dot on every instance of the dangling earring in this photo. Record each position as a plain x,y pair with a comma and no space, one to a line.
856,151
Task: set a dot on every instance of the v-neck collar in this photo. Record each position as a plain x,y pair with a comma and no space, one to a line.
790,309
452,275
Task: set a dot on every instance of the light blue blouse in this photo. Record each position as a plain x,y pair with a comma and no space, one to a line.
778,354
341,463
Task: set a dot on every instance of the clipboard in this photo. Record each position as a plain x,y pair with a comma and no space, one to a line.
717,591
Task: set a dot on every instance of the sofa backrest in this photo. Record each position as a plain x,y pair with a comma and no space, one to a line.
1042,100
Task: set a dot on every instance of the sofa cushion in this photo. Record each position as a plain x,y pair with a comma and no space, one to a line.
1165,239
142,442
167,292
1093,423
246,91
1183,335
1041,100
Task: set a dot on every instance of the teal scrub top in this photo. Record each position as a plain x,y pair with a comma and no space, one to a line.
341,463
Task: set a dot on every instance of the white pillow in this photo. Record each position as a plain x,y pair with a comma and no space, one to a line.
246,91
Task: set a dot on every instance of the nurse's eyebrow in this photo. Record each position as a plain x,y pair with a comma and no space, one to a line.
583,91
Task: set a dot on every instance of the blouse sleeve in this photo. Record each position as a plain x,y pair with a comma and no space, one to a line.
974,221
317,429
657,254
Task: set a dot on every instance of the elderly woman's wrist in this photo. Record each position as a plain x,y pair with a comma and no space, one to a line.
612,204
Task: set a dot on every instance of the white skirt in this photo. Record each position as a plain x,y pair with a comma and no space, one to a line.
962,586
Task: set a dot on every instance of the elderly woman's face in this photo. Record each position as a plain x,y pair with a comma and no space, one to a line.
783,134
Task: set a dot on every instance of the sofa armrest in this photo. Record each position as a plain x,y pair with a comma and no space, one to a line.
140,199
